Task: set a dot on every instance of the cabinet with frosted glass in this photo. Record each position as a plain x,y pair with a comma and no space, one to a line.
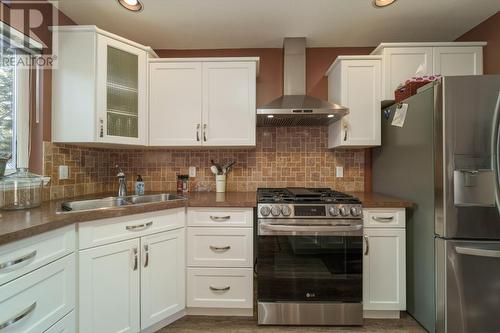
99,88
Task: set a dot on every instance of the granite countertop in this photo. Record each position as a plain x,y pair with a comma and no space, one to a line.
378,200
16,225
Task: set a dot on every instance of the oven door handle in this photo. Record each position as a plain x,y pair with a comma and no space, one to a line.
292,229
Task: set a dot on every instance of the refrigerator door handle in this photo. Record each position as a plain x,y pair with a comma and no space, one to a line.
495,151
472,251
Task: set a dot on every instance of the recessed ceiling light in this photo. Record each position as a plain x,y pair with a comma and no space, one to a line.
132,5
382,3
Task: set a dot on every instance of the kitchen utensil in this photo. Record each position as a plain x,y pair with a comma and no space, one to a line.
4,158
21,190
214,170
226,168
219,168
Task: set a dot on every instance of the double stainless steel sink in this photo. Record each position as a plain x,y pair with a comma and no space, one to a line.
116,202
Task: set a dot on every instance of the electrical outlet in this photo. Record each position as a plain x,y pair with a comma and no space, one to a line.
339,172
63,172
192,171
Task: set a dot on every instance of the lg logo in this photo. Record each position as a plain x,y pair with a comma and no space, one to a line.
310,295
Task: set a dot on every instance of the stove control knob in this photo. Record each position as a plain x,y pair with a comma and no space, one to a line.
286,211
344,211
275,211
334,211
265,211
355,211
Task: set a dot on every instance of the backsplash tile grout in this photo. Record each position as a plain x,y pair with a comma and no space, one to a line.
283,156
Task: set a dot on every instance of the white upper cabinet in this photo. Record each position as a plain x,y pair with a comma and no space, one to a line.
401,61
202,102
467,60
175,104
229,103
355,82
99,88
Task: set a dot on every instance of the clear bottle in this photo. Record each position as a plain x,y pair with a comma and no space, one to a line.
139,186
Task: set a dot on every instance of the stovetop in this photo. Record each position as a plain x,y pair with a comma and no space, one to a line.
291,195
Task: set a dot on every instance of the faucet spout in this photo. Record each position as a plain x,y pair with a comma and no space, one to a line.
122,183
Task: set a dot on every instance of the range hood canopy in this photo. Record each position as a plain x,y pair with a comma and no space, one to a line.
295,108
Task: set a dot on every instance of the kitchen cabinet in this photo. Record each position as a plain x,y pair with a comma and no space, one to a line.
162,276
131,280
220,261
355,82
37,281
109,288
401,61
99,90
202,102
384,263
65,325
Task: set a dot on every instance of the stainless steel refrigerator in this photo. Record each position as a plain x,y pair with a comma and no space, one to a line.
444,158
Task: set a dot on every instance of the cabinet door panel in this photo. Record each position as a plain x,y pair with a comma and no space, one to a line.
229,103
162,276
109,288
384,272
121,92
400,64
175,104
358,88
449,61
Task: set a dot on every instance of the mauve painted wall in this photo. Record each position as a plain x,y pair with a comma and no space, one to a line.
489,31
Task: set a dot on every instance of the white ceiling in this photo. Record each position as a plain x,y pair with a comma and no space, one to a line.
208,24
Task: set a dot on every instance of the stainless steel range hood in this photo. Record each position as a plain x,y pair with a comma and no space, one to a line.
295,108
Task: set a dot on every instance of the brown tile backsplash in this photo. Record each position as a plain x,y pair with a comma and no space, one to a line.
284,156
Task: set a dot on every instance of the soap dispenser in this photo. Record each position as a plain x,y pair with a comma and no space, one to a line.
139,186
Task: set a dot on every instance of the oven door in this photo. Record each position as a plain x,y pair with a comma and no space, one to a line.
310,263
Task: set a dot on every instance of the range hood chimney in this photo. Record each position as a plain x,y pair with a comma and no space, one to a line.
295,108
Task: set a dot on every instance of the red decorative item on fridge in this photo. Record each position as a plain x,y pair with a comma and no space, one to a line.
411,86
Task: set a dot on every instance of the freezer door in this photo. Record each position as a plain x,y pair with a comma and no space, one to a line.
468,286
466,176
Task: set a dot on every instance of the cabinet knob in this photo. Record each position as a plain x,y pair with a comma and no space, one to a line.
205,132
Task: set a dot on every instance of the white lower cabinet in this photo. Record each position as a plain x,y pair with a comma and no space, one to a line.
162,276
220,287
220,261
131,285
65,325
109,288
35,301
384,265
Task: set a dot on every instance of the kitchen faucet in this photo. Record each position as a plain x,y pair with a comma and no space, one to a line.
122,183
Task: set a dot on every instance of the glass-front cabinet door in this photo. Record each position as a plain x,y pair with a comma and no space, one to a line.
121,92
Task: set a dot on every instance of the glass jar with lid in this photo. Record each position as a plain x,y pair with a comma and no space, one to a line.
21,190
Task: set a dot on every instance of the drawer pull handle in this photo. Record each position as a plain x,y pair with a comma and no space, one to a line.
383,219
139,227
220,289
18,261
18,317
220,218
220,249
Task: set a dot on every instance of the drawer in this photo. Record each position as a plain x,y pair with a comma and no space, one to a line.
35,301
117,229
217,217
220,247
28,254
65,325
384,217
220,287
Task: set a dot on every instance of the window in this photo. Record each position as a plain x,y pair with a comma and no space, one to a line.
15,93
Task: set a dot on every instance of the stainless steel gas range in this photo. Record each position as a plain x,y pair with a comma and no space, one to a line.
309,257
